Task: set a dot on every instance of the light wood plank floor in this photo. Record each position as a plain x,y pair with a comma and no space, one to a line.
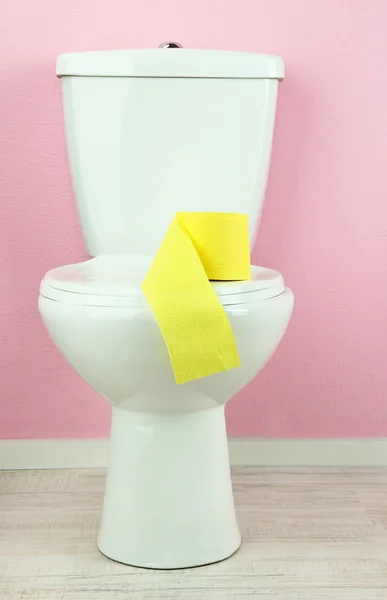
307,535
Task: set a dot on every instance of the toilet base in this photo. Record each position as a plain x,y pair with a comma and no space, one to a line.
168,498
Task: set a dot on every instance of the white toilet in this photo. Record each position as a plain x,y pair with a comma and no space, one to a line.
151,133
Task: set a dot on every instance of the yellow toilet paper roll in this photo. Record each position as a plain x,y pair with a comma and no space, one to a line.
198,247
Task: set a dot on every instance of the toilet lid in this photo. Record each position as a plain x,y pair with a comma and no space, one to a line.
115,280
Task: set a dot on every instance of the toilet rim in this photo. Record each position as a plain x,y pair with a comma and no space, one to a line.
115,280
139,301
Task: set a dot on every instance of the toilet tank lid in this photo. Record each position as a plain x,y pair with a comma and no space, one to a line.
171,62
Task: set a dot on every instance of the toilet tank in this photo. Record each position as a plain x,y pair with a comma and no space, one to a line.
154,132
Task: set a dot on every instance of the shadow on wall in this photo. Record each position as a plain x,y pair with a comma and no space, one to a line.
291,140
38,230
281,208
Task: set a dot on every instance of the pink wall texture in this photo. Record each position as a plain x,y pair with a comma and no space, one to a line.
324,224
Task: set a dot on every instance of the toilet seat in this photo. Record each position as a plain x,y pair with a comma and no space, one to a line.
115,280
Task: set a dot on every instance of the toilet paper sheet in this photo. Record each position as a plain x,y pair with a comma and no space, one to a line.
198,247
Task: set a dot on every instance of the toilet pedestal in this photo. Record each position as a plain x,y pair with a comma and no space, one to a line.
168,499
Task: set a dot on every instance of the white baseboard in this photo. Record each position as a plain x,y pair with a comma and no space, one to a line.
90,453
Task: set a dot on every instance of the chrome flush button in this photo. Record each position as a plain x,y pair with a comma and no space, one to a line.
170,45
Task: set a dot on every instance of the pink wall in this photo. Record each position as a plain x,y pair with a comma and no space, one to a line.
324,224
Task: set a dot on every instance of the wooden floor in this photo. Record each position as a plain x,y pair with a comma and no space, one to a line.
307,535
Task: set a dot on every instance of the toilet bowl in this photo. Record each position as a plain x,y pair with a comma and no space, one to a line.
151,133
168,500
